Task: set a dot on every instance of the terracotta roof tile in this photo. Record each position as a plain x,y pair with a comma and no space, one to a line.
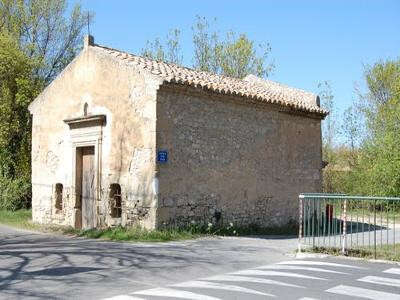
253,87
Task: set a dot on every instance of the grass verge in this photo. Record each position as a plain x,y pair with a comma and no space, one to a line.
140,234
384,252
22,219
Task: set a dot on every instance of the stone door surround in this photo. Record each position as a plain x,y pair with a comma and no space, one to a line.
86,131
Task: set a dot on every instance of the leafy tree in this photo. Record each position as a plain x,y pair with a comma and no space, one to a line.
368,161
335,173
237,57
170,53
37,40
328,134
205,44
154,50
234,55
44,33
371,131
382,81
352,131
18,86
380,160
174,47
351,127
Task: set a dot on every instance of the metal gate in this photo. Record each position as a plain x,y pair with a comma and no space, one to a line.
349,222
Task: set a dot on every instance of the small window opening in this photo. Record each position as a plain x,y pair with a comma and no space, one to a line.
59,196
115,200
85,109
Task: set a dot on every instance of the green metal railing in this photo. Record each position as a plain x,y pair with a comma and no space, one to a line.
348,222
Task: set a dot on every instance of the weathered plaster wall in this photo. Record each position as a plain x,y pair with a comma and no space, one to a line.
230,162
128,99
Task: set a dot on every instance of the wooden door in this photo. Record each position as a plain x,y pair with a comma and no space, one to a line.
88,188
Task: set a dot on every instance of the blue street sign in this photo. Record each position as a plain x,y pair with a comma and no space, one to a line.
162,156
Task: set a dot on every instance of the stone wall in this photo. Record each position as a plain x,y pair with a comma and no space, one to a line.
128,99
233,162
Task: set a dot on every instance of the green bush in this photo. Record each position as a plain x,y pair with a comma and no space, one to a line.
14,193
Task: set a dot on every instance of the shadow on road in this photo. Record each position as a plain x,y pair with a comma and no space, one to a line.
30,260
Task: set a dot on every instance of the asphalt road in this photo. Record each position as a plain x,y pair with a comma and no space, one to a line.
35,266
303,279
40,266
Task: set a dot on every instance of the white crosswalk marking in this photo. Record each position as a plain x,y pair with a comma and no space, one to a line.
362,293
218,286
275,273
124,297
235,278
254,281
172,293
393,271
283,267
381,280
316,263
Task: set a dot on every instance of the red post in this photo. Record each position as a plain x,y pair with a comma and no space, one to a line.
329,212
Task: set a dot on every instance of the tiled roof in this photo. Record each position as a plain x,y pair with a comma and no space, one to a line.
252,87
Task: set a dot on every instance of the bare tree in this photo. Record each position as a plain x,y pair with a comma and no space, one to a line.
329,125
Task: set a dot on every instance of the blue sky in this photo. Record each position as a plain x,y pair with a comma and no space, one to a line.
312,41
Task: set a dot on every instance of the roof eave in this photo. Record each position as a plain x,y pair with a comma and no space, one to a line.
289,109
